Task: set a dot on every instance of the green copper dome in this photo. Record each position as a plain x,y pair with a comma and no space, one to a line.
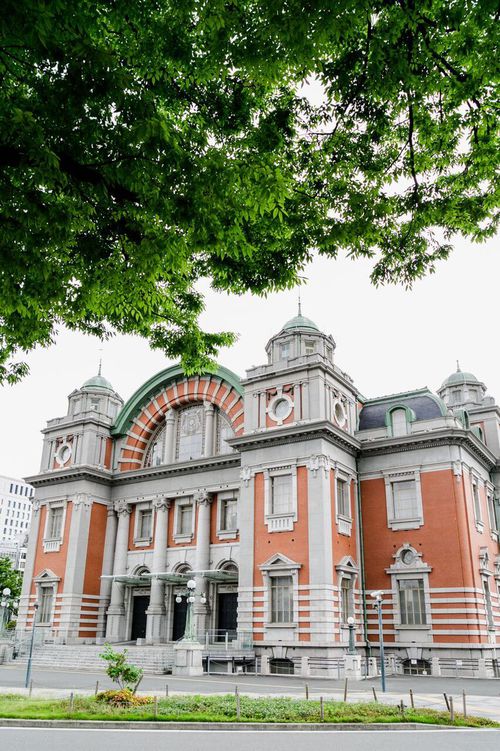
300,322
98,382
458,378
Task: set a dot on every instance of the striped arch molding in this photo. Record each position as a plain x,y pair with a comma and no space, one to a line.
211,388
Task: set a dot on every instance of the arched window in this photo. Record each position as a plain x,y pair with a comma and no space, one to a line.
190,440
156,451
224,431
190,430
399,422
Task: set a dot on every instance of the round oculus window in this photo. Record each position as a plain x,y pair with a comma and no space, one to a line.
282,409
340,414
64,453
407,556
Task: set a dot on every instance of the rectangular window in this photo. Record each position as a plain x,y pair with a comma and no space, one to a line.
487,601
281,599
281,494
55,523
477,502
346,601
284,351
185,519
411,602
404,498
343,501
229,514
45,610
456,396
310,347
491,513
145,524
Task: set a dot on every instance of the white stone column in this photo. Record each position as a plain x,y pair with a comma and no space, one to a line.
209,429
203,502
169,449
107,570
156,614
116,610
29,571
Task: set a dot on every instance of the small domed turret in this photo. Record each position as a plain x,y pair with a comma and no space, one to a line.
299,337
461,388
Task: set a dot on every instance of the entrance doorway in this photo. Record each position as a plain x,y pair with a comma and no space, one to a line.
227,615
139,607
179,625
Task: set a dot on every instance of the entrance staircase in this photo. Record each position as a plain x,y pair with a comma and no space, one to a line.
156,659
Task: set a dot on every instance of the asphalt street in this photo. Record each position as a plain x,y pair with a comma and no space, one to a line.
13,675
26,739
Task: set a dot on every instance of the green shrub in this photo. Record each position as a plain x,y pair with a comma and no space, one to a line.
119,670
123,698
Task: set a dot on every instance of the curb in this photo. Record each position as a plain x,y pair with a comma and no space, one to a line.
228,726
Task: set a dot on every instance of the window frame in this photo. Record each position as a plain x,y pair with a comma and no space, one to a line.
280,565
222,531
275,610
477,510
283,521
52,544
141,540
180,536
404,475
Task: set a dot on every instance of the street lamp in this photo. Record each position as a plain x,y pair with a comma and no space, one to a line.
5,602
377,596
352,648
190,595
28,667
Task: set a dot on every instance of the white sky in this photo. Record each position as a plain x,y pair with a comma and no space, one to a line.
388,339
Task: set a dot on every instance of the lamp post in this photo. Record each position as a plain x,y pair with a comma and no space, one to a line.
4,603
378,600
190,595
352,647
28,667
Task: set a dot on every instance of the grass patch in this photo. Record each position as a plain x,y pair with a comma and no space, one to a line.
223,709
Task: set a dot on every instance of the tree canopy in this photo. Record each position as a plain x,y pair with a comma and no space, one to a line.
10,578
146,144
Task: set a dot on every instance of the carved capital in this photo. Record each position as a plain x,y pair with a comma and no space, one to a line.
82,499
35,506
162,503
245,475
202,498
122,507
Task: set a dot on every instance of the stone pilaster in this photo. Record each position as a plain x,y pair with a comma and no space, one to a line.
116,610
156,614
169,437
209,429
203,501
107,570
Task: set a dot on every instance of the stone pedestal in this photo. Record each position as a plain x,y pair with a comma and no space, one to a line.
188,658
435,666
372,667
352,667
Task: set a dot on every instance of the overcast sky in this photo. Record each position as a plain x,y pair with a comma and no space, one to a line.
388,339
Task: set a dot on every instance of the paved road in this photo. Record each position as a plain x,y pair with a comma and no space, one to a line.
13,675
32,739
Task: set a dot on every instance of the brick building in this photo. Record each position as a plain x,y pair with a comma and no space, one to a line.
286,495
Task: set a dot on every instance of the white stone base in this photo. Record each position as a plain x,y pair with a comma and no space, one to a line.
188,658
353,667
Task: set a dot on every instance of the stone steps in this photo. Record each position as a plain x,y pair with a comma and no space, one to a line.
157,660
